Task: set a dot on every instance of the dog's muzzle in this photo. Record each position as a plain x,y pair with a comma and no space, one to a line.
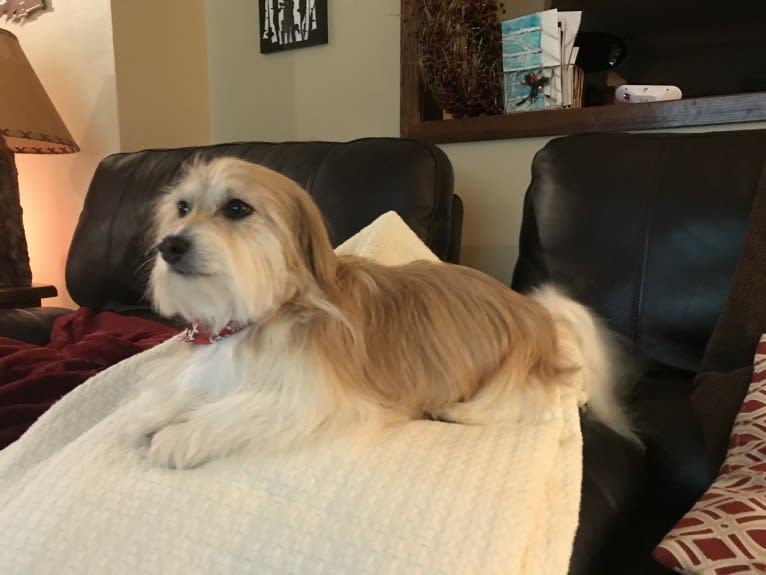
174,248
179,253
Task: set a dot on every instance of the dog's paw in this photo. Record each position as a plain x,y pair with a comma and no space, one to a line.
135,432
177,446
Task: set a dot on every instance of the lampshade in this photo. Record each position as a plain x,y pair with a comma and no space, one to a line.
29,122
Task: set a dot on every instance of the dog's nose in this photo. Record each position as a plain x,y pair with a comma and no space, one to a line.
173,248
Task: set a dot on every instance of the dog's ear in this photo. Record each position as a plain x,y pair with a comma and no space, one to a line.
316,248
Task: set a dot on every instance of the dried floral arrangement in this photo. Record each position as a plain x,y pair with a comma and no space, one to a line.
461,55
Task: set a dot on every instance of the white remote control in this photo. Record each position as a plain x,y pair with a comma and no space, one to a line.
638,93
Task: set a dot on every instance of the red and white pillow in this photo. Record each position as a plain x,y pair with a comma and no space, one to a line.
725,532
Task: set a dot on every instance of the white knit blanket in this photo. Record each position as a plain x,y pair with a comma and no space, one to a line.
427,498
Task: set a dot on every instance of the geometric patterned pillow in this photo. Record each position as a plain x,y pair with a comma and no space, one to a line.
725,531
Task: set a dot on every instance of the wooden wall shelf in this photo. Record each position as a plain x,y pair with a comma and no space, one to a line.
416,108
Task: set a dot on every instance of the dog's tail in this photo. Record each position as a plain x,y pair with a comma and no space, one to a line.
594,349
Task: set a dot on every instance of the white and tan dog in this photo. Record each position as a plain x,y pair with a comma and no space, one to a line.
300,341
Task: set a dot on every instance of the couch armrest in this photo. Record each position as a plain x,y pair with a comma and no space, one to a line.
32,325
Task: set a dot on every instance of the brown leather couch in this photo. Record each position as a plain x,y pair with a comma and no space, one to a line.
646,229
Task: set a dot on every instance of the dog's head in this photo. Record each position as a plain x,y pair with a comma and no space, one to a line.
234,241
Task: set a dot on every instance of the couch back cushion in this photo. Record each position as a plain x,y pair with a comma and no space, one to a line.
352,182
644,228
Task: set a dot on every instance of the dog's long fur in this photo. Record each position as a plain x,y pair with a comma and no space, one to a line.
335,342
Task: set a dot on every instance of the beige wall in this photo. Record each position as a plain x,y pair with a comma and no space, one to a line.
70,48
346,89
350,87
252,97
160,52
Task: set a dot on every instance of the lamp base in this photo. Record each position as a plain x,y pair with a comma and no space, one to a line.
14,257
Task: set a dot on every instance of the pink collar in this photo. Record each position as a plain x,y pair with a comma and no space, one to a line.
197,334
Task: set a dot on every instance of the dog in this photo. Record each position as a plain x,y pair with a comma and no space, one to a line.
288,341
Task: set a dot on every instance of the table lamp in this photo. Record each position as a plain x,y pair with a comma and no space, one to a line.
29,124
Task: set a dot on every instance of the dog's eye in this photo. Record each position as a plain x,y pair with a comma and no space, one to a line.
183,208
236,210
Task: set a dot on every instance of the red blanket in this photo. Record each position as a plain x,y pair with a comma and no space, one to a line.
82,343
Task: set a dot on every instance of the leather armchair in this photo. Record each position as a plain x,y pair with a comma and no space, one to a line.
645,229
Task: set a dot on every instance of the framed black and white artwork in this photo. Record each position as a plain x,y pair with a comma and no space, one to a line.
288,24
